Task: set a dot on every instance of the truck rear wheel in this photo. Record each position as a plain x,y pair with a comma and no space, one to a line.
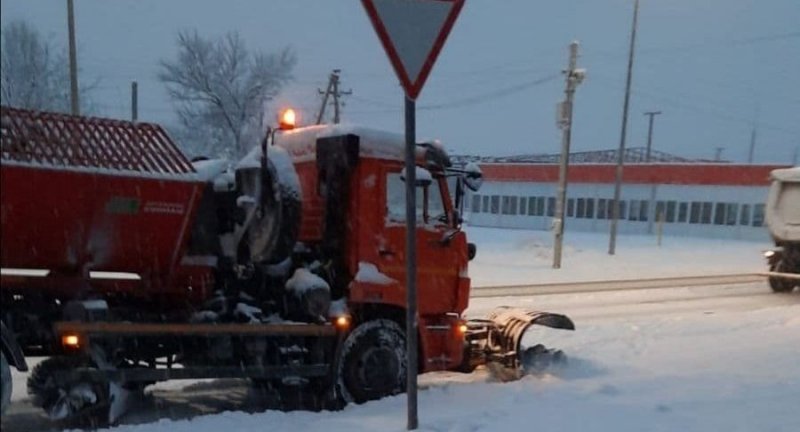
68,400
5,383
373,362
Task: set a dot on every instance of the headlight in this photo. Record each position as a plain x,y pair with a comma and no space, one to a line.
769,254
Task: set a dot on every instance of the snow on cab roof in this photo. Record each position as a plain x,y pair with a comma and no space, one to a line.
787,174
301,142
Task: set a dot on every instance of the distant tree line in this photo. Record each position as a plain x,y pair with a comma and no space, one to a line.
221,91
35,72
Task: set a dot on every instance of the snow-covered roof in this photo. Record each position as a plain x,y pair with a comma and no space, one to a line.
787,174
301,142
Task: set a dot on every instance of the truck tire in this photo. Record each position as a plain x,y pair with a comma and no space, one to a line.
780,285
70,400
5,383
271,235
373,363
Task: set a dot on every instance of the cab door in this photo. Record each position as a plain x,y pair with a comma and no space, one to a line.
439,259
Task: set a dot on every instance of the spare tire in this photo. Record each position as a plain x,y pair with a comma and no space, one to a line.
272,193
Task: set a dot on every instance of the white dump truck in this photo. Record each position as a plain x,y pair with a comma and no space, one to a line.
783,220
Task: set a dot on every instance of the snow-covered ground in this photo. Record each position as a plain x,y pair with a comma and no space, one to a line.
723,358
508,257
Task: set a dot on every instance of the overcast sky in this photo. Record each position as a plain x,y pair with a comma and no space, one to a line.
714,67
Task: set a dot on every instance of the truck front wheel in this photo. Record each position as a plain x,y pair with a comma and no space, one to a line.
778,284
5,382
373,362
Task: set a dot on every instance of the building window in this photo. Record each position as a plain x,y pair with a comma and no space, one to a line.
705,215
571,207
660,210
513,209
508,207
540,206
694,214
581,208
486,203
476,203
719,214
643,215
633,214
731,211
551,206
522,205
495,205
601,208
670,211
683,210
744,217
590,208
622,209
531,206
504,204
758,215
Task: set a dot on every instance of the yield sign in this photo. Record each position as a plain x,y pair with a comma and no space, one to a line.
412,32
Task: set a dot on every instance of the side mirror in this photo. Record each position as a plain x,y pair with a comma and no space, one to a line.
423,177
473,177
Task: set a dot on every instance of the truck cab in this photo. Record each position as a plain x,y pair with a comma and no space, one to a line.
354,205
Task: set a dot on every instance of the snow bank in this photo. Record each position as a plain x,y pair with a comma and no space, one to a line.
508,257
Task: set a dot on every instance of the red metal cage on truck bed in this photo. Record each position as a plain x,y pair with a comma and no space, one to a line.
84,195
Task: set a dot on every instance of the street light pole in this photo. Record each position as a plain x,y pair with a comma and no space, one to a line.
650,134
612,244
574,77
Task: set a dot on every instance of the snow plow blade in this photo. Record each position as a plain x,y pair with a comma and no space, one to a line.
496,342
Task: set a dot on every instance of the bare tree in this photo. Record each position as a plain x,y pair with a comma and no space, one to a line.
221,91
34,75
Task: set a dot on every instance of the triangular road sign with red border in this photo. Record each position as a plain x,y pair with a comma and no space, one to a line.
412,33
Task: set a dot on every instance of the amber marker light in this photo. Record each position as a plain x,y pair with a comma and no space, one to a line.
462,329
342,322
288,119
70,341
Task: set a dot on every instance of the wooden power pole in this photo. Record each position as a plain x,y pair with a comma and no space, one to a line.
332,90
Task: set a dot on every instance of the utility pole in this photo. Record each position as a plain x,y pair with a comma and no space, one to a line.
751,154
73,62
574,78
612,244
650,134
332,90
134,101
718,153
794,156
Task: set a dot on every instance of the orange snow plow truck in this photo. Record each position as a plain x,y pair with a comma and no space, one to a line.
126,264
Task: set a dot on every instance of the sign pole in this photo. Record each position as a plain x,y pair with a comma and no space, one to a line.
411,263
412,34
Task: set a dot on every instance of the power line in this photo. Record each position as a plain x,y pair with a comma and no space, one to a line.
457,103
682,104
